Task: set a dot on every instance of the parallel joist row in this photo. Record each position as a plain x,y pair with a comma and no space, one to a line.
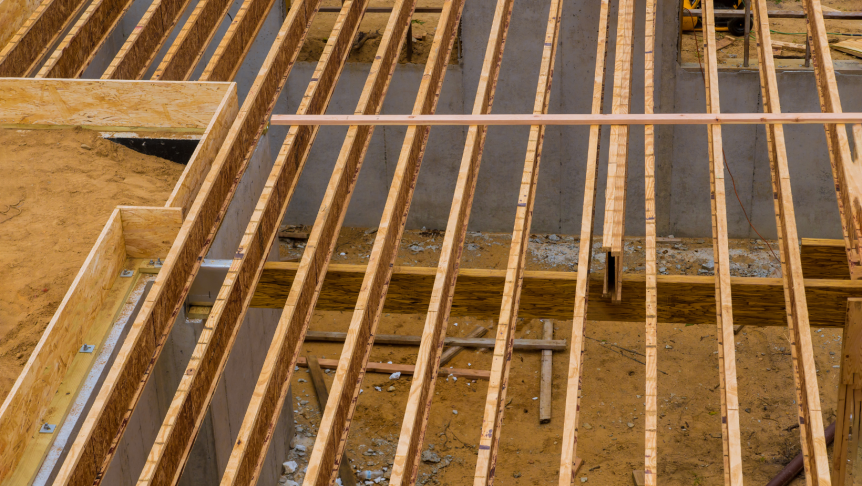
189,405
104,426
35,46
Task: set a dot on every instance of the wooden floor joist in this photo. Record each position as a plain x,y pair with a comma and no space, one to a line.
77,50
197,386
731,441
105,423
338,414
495,401
271,389
651,337
568,455
237,41
618,152
21,55
143,44
846,174
407,455
810,416
195,35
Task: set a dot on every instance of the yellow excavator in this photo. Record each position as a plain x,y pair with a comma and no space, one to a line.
733,26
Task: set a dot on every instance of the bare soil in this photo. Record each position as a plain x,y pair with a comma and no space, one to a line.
55,197
611,433
785,30
374,25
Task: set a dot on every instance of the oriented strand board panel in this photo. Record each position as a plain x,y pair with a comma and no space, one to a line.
32,392
109,105
824,259
150,231
681,299
13,14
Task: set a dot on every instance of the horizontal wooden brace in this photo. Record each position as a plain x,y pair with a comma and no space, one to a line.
402,340
681,299
573,119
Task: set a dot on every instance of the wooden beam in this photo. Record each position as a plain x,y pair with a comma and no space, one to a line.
845,173
682,299
389,368
146,40
845,455
618,152
149,232
32,41
28,400
731,440
271,389
194,37
107,105
495,402
462,342
345,473
234,46
573,119
106,421
650,472
547,375
407,454
188,407
823,258
805,374
335,423
569,461
77,50
450,352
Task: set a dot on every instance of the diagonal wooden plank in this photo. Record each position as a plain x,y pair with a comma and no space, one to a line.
143,44
731,441
845,173
810,415
188,408
568,456
192,41
337,416
272,385
651,337
495,401
21,55
105,423
618,151
407,455
237,41
77,50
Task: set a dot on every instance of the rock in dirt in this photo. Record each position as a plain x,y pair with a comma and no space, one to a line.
429,456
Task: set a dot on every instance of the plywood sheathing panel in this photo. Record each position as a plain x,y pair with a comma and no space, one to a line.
109,105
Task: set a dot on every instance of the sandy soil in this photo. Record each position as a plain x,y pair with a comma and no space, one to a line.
612,436
793,31
55,197
424,26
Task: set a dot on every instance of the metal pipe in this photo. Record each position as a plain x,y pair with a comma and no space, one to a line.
794,467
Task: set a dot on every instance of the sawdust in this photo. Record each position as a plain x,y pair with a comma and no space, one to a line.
735,51
55,197
611,437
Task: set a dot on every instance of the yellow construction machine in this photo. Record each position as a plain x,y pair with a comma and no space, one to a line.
735,26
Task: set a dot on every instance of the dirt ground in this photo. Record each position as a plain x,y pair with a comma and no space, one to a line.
785,30
424,26
612,436
57,189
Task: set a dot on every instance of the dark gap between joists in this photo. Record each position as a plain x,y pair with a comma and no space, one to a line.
175,150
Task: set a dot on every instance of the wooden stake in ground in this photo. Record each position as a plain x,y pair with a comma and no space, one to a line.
344,471
547,372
